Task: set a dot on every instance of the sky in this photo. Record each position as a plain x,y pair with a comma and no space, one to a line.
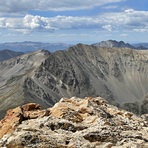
73,21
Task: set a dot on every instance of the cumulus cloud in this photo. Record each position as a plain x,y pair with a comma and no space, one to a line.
37,23
58,5
107,27
125,21
13,23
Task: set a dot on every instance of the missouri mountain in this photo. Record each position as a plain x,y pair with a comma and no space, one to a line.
117,74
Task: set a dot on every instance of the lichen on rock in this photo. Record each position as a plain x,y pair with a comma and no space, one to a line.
73,123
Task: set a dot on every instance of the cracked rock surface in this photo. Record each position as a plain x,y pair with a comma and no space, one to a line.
74,123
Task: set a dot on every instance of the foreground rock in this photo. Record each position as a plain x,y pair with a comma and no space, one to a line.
73,123
14,117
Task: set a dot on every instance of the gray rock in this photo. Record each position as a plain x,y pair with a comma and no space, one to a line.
117,74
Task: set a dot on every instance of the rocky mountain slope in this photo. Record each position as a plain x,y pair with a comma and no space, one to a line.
117,74
13,75
8,54
73,123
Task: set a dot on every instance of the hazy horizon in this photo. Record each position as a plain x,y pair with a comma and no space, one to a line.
89,43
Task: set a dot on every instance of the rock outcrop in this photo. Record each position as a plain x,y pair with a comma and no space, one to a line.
74,123
14,117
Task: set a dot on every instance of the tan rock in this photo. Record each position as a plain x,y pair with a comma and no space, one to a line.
31,107
74,123
14,117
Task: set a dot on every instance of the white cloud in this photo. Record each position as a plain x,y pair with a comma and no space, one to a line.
58,5
8,23
123,35
38,23
128,20
110,7
107,27
141,29
23,31
35,22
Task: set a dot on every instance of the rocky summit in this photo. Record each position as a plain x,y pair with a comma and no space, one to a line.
73,123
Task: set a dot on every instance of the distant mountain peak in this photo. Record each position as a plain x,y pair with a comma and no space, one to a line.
8,54
113,43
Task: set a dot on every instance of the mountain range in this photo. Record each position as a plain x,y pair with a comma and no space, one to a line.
145,45
29,46
19,48
117,74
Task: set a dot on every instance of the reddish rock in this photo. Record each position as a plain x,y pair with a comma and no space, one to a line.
15,116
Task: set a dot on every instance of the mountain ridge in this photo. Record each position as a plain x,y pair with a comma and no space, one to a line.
8,54
29,46
14,73
117,74
119,44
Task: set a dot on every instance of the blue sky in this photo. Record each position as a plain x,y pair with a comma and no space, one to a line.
73,21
